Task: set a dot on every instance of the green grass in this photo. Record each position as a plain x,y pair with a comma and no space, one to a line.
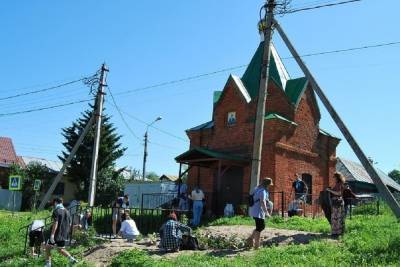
369,240
12,241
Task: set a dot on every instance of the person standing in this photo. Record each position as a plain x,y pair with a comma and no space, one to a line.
59,232
182,195
259,211
36,236
197,197
118,208
348,197
338,215
300,188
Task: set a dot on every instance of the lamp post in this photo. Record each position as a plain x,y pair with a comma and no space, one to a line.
145,146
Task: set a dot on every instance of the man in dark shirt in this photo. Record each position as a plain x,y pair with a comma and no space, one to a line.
300,188
59,232
348,197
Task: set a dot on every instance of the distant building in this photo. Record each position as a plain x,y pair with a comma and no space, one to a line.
8,156
168,178
359,180
65,188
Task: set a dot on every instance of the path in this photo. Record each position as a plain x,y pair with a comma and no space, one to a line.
102,255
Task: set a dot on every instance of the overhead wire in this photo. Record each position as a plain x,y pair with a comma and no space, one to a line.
42,90
319,6
44,108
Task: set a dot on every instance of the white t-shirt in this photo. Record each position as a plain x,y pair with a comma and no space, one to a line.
260,195
129,227
197,196
37,225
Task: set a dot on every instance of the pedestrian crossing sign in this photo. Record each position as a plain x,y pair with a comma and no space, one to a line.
15,183
36,185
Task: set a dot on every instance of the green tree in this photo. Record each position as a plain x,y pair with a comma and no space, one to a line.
152,176
110,149
395,175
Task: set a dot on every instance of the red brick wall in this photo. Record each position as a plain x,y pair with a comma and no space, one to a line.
287,149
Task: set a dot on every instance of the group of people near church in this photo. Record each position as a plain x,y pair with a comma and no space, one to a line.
339,198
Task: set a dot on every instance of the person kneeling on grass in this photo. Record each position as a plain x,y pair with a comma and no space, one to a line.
128,229
59,232
259,211
171,234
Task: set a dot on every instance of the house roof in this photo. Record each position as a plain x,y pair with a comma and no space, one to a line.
206,125
52,165
295,88
171,178
7,152
201,152
355,172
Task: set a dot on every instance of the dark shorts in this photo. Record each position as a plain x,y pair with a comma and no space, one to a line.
35,238
260,224
59,244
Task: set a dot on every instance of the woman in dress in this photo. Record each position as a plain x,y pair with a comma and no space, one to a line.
338,214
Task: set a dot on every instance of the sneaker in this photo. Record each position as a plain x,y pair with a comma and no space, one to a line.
73,261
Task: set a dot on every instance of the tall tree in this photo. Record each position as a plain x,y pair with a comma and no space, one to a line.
109,151
395,175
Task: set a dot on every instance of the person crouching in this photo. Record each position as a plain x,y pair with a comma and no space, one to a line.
128,229
171,234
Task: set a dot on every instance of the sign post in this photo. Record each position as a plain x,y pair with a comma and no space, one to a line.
36,187
14,184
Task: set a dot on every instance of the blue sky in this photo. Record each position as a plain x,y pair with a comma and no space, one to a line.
147,42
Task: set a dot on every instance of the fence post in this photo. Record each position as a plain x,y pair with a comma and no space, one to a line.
351,209
377,207
283,204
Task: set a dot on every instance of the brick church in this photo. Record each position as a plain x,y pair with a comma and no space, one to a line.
220,151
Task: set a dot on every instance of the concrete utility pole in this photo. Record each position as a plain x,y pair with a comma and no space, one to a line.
98,116
262,95
145,147
60,174
383,190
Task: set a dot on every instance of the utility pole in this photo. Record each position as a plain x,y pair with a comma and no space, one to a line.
262,94
367,164
145,146
98,118
144,156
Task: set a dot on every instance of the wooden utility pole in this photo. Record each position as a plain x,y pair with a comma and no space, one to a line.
98,116
380,185
262,95
145,155
66,163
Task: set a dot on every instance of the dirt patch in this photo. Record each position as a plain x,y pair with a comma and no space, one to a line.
269,236
102,255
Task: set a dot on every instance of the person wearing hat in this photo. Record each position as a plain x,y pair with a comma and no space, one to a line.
259,210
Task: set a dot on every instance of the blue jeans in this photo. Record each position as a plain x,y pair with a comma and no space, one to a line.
197,211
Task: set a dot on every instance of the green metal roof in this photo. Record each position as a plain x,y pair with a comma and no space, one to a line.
201,152
252,75
217,95
206,125
271,116
295,88
323,132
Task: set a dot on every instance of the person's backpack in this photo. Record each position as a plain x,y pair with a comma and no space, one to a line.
250,199
189,242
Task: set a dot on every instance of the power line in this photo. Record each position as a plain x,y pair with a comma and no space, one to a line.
181,80
346,50
319,6
122,117
42,90
245,65
44,108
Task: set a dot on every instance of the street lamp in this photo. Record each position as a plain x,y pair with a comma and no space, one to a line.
145,146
